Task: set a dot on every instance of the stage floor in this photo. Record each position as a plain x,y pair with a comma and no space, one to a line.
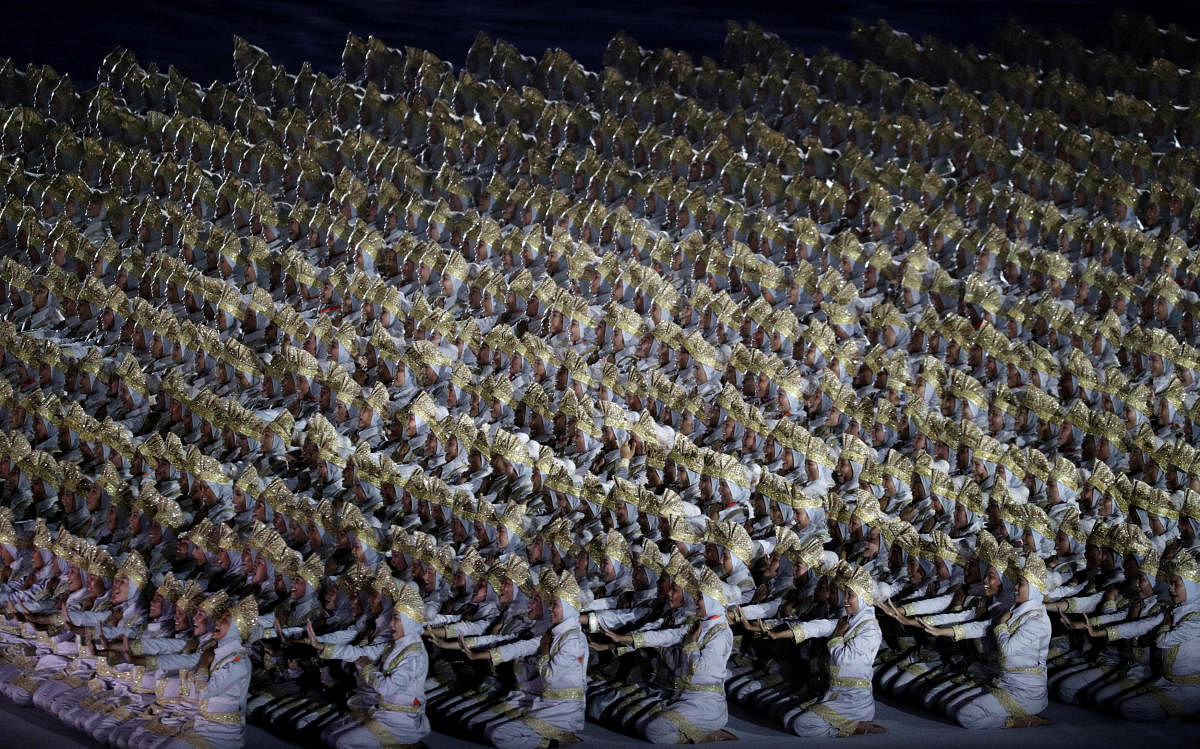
30,728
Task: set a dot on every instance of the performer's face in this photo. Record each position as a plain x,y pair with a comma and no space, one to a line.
992,582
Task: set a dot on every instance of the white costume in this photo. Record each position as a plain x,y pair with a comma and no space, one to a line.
849,698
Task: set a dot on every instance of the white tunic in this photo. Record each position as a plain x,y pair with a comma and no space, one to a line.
393,698
554,703
698,705
849,698
1022,643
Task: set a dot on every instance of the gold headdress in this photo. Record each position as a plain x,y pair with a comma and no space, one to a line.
1187,567
1034,571
568,590
708,584
134,568
408,601
245,616
857,579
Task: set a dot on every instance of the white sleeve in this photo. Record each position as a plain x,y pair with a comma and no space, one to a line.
930,605
813,628
514,650
348,652
660,638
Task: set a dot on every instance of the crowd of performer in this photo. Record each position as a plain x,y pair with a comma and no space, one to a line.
502,398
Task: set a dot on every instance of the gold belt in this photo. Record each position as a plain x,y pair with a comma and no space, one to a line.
412,709
234,716
688,686
563,694
849,681
1183,678
75,682
121,713
1025,669
221,717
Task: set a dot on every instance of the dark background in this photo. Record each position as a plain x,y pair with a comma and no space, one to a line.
196,36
